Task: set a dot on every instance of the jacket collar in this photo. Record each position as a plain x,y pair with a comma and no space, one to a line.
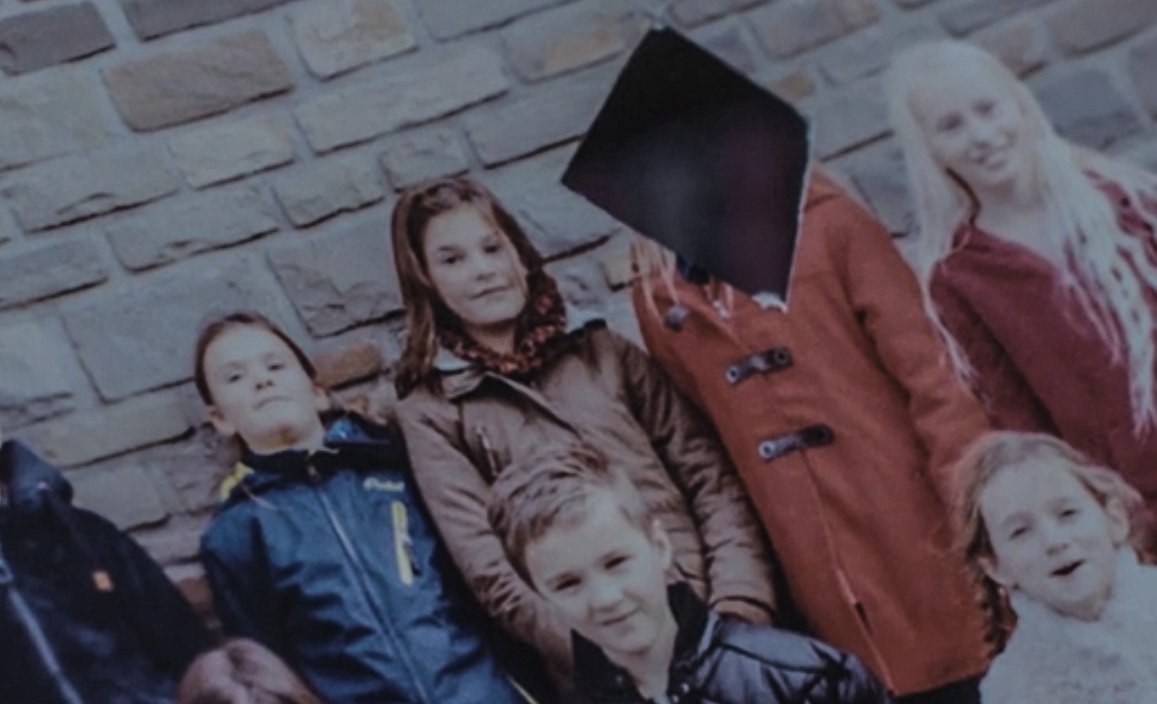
28,477
351,441
608,683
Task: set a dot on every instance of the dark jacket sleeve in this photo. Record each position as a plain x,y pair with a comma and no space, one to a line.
155,609
242,598
859,686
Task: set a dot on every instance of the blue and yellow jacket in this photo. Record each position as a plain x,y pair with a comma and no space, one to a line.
329,559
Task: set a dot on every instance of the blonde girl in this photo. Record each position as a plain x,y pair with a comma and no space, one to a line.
1035,257
1056,538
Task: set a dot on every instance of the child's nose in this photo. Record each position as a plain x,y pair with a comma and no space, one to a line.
604,593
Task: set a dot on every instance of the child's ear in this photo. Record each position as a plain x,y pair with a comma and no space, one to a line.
321,399
662,543
220,424
1118,521
991,567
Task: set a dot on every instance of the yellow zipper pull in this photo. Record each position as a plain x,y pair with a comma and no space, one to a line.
402,543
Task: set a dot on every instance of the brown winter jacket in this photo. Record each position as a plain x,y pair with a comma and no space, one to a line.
607,392
843,418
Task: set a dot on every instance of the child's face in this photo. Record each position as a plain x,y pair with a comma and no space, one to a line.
605,578
475,270
261,392
1051,538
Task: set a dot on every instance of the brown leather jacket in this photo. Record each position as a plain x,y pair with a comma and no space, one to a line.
610,394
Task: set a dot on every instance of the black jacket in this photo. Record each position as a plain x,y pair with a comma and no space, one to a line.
330,560
85,615
719,661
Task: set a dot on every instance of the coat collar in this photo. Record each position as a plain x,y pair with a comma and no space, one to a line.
606,682
27,477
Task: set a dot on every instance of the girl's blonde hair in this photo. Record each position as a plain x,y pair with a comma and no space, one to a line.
1107,270
997,451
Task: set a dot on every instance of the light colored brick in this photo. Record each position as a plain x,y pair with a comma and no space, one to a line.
107,330
1091,24
692,12
551,115
179,85
87,436
1087,107
1142,59
451,18
329,187
42,38
965,18
570,37
221,152
580,280
154,18
793,86
335,36
789,28
38,271
179,540
848,119
49,115
33,375
125,495
878,173
726,40
341,280
176,229
1022,46
353,362
412,158
868,52
78,187
399,99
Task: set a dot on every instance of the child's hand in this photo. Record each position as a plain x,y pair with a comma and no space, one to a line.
744,611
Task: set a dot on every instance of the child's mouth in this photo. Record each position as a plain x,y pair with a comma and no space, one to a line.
1067,569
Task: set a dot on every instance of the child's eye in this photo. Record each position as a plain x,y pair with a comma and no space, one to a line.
450,259
985,107
950,124
566,585
492,248
1018,533
617,561
232,378
1069,513
276,366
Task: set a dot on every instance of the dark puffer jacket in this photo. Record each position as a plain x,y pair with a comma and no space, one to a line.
86,617
330,560
719,661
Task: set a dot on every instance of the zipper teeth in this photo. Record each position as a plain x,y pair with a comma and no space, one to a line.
367,593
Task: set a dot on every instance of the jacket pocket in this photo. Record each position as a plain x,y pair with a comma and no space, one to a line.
403,543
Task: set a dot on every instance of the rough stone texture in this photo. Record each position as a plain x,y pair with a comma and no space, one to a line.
45,270
221,152
353,362
329,187
849,119
450,18
727,40
912,4
33,375
693,12
567,38
413,158
511,130
1091,24
106,331
84,437
1022,46
1141,62
176,229
335,36
788,28
964,18
878,174
178,541
180,85
793,86
1086,106
8,229
581,282
43,38
103,491
337,282
400,99
48,115
78,187
153,18
868,51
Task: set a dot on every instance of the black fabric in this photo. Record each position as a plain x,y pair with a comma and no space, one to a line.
719,661
306,556
689,152
103,611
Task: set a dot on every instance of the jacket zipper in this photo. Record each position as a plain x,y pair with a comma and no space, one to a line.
403,544
360,571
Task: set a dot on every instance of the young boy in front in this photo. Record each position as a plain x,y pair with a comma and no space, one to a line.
578,532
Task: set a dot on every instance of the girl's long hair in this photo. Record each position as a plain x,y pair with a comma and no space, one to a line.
1109,271
996,451
425,312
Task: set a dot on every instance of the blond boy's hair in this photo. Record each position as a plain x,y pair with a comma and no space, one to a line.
996,451
553,488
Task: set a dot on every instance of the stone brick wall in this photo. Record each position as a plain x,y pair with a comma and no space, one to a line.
161,160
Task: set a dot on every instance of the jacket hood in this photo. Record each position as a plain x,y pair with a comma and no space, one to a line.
351,441
28,477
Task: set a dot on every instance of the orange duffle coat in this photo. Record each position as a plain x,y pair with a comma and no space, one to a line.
844,419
